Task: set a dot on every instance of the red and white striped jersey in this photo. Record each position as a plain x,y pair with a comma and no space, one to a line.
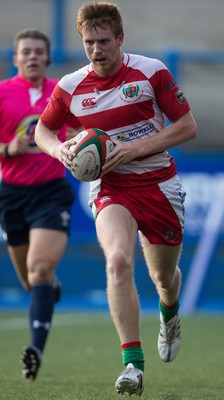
129,105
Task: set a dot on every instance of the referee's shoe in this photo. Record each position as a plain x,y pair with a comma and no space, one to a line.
31,360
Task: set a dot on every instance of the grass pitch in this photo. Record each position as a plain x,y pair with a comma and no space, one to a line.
82,359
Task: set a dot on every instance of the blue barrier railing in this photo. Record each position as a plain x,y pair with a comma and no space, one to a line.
173,58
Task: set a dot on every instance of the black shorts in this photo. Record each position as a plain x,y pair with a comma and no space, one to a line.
45,206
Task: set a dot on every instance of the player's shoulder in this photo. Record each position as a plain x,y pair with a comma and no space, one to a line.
6,82
146,64
70,81
7,87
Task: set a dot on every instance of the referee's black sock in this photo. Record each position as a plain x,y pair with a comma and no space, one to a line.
40,313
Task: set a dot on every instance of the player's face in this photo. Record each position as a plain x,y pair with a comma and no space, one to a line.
31,59
103,50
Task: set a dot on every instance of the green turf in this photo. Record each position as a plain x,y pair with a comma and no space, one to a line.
83,359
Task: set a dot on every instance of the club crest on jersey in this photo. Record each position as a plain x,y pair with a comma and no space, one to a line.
130,93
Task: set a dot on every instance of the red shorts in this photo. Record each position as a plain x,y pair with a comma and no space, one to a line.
157,208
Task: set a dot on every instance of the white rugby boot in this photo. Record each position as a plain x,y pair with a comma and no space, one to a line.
169,339
130,381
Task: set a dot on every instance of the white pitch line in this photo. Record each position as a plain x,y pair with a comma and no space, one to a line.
9,324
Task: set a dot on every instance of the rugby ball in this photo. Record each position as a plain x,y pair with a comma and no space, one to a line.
91,148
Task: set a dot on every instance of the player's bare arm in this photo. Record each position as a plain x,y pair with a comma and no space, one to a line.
182,130
179,132
48,141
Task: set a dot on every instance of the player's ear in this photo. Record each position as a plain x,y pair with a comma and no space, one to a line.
121,38
48,60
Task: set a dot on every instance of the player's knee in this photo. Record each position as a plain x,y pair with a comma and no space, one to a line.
163,280
40,271
119,266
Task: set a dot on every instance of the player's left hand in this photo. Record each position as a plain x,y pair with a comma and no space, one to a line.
123,153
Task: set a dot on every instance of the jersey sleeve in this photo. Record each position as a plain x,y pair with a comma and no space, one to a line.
57,112
169,96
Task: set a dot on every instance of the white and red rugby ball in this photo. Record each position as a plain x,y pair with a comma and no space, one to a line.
91,148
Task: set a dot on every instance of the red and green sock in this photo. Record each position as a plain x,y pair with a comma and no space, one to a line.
132,353
168,312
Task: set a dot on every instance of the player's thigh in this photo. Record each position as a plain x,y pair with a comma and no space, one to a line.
161,259
116,230
46,248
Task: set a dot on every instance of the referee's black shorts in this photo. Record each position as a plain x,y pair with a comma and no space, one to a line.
44,206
